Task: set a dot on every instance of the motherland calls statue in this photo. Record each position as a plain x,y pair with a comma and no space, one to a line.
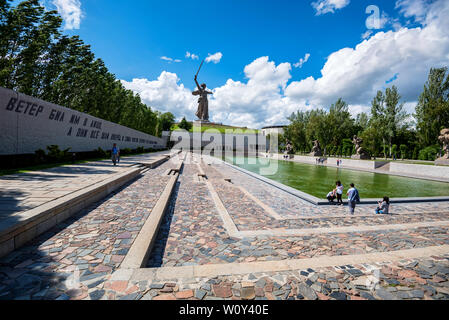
203,102
444,139
361,153
316,150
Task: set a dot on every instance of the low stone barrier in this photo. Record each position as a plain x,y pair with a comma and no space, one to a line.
420,169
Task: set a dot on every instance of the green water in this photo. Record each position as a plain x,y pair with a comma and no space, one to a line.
319,180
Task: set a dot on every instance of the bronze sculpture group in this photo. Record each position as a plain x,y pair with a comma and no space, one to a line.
444,139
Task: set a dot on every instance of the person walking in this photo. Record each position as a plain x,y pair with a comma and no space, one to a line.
339,193
114,154
353,198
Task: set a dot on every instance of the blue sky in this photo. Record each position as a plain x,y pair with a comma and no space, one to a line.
258,80
131,38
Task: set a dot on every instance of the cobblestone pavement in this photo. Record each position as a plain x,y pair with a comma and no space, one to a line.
412,279
92,245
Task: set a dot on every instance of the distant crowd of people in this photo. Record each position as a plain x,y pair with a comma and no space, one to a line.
354,199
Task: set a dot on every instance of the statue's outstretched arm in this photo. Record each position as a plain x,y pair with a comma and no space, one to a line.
197,84
208,92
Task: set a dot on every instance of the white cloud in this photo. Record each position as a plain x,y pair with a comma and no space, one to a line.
170,60
416,9
302,61
356,74
192,56
215,58
165,94
367,34
329,6
71,12
401,57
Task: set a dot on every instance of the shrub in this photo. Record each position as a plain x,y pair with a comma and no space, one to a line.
39,156
394,151
55,155
100,153
429,153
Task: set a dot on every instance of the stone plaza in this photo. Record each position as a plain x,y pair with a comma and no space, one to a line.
187,227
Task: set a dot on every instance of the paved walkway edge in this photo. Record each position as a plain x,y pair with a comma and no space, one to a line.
139,252
210,271
19,229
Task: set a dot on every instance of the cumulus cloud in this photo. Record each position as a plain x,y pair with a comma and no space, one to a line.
267,96
356,74
215,58
302,61
71,12
165,94
329,6
191,56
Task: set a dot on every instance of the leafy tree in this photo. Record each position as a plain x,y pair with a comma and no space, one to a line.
432,111
403,149
36,59
388,116
185,125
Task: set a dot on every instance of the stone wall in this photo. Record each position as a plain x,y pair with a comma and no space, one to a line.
28,124
420,169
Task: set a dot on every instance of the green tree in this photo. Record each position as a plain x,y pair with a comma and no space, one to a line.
388,116
432,111
36,59
404,150
184,124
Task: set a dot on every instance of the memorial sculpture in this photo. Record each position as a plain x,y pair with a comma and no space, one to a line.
444,139
289,152
203,102
361,153
316,150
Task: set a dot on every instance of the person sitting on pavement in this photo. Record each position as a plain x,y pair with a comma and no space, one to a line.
331,196
384,206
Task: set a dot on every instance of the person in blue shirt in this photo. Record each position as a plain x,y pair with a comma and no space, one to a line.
353,198
114,154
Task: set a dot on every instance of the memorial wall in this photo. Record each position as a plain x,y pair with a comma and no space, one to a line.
28,124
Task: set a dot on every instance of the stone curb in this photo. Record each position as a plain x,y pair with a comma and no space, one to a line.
140,250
